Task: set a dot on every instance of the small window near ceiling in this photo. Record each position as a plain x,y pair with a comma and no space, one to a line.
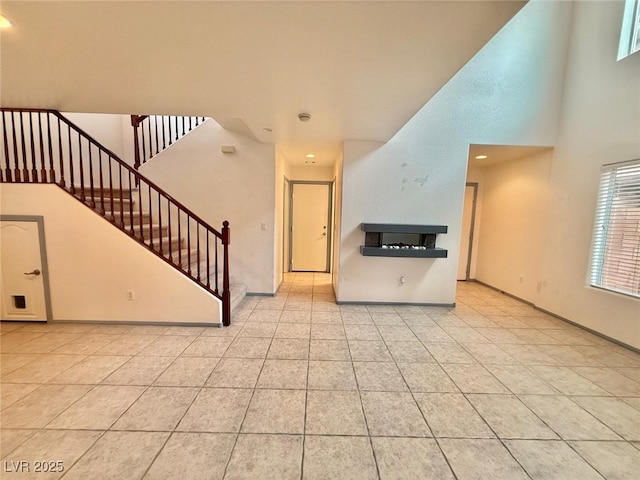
615,257
630,34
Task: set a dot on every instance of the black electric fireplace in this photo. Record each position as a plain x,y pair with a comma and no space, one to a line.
400,240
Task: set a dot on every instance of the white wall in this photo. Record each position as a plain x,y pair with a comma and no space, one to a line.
311,174
92,265
513,230
600,124
337,223
509,93
237,187
105,128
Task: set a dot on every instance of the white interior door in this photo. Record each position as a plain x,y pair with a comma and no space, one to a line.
466,238
310,227
22,287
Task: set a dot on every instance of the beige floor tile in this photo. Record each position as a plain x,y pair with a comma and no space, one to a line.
451,415
521,380
216,410
429,334
330,375
362,332
41,406
42,369
417,458
92,370
607,356
327,331
474,378
334,413
207,347
248,347
86,344
369,351
98,409
268,457
466,334
567,381
393,414
329,350
499,335
296,316
127,345
276,411
283,374
46,343
489,354
12,361
329,316
167,346
610,380
568,357
158,409
187,372
12,392
236,373
377,376
289,348
547,459
293,330
426,377
409,352
449,353
10,439
481,460
567,419
119,455
616,414
328,457
614,460
10,341
529,354
632,373
356,318
139,371
59,449
508,417
258,330
265,315
193,456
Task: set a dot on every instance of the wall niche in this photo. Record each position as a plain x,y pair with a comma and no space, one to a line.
402,240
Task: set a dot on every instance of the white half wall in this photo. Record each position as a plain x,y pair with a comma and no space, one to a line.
508,94
92,265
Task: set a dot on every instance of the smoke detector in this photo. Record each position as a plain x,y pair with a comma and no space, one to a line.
304,117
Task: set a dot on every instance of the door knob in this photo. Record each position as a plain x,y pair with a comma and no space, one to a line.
36,272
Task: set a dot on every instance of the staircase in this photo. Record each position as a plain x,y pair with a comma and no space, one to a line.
42,146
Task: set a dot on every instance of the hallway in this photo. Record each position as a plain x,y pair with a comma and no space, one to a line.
299,387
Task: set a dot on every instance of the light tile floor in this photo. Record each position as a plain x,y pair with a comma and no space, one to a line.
299,387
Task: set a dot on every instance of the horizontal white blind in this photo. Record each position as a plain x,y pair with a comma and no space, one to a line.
615,260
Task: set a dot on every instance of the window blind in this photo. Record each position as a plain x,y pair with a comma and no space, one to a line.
615,259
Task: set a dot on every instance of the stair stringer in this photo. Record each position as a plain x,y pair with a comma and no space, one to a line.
92,266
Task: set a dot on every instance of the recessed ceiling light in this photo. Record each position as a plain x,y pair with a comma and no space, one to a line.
310,155
480,157
5,22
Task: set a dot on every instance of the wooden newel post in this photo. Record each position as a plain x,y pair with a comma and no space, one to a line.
226,292
135,123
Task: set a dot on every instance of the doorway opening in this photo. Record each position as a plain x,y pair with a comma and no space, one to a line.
310,226
468,226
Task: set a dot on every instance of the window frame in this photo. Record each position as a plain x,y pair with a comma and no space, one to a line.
608,198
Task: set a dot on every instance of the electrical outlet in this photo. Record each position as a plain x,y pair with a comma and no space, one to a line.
131,296
402,280
521,278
